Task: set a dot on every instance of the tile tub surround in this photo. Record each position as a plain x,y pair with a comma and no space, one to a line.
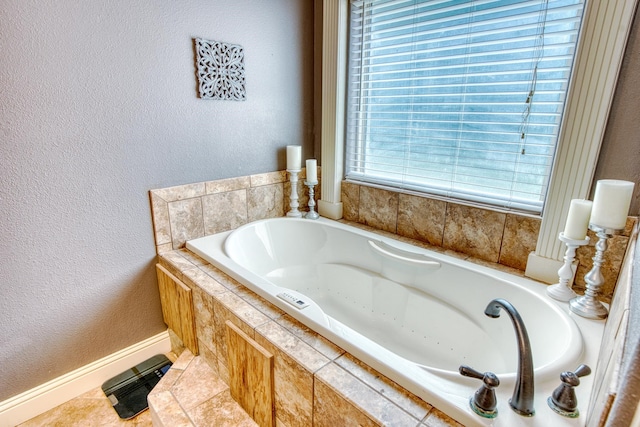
316,382
189,211
492,236
185,212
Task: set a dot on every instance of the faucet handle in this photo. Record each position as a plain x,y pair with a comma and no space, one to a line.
484,401
563,399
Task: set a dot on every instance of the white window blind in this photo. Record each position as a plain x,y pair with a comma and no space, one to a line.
462,99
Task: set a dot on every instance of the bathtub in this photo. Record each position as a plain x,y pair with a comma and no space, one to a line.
414,315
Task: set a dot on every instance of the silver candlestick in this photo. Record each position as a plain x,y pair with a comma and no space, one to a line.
562,290
293,178
588,305
312,214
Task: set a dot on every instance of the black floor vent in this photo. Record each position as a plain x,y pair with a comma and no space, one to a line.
128,391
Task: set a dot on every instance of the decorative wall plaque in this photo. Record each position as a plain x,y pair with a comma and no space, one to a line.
220,70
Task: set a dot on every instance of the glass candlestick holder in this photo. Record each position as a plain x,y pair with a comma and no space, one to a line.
588,305
562,290
312,214
293,197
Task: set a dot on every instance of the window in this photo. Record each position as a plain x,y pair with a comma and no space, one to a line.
461,99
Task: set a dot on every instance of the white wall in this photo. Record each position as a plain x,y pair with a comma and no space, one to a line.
98,105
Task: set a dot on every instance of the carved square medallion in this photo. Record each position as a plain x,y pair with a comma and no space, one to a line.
220,70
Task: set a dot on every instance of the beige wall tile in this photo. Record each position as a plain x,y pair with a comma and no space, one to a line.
175,263
378,208
396,394
195,259
302,353
474,231
331,409
181,192
260,303
230,184
208,354
362,398
519,240
247,315
160,218
224,211
186,221
221,278
350,194
312,338
616,248
421,218
164,248
177,346
197,278
303,196
268,178
223,371
203,306
265,202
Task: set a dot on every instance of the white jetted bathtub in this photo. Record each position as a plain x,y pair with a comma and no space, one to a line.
415,315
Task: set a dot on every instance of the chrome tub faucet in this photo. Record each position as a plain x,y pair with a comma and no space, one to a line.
522,399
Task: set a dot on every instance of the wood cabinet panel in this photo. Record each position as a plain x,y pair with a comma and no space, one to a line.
250,376
177,307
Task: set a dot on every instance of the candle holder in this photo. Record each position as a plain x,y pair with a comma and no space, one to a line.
293,197
562,290
588,305
312,214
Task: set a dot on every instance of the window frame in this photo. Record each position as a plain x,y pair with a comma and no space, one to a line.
393,110
600,51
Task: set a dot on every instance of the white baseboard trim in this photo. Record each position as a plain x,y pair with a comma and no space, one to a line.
46,396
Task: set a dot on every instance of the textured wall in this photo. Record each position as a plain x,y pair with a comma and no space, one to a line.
620,154
99,106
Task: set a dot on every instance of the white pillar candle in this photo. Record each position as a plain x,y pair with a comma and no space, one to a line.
294,157
611,203
312,170
578,219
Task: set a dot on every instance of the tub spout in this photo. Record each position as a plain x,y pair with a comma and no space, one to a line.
522,399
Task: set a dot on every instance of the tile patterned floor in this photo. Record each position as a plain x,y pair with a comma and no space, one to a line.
190,394
87,410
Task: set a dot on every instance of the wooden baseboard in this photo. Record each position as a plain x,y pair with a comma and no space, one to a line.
46,396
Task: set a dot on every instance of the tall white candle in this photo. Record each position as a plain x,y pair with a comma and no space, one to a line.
578,219
611,203
312,170
294,157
